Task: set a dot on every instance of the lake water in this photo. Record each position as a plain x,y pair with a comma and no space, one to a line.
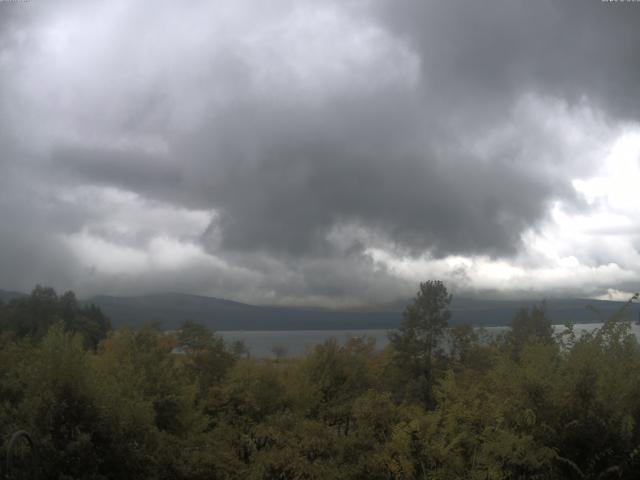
297,342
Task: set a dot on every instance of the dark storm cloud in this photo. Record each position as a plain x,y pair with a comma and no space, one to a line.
284,176
357,163
131,169
485,53
288,136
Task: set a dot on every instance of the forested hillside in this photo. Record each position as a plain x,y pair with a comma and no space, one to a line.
127,404
7,296
169,310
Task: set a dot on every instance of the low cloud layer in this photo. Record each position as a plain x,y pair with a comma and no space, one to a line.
320,153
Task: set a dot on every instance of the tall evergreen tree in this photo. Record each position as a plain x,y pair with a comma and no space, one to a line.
422,329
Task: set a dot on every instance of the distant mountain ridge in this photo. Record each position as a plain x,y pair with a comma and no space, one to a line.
171,309
7,295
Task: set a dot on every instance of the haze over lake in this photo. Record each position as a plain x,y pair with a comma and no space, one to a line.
297,342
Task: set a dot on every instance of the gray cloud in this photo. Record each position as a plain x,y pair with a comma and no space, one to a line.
434,126
484,54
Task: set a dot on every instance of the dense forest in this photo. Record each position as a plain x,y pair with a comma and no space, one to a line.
439,402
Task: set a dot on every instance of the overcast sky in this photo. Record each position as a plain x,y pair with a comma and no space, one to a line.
329,153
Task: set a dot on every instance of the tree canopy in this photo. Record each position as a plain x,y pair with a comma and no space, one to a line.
34,314
424,323
148,404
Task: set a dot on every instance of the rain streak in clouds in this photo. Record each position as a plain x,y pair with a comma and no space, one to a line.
320,152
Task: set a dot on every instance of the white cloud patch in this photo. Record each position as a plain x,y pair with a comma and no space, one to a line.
319,50
127,237
127,217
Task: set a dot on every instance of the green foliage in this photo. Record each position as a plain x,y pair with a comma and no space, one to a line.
146,404
32,316
206,356
419,337
529,326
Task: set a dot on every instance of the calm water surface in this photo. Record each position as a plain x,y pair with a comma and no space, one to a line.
297,342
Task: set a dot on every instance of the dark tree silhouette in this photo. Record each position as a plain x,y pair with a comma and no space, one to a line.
420,333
